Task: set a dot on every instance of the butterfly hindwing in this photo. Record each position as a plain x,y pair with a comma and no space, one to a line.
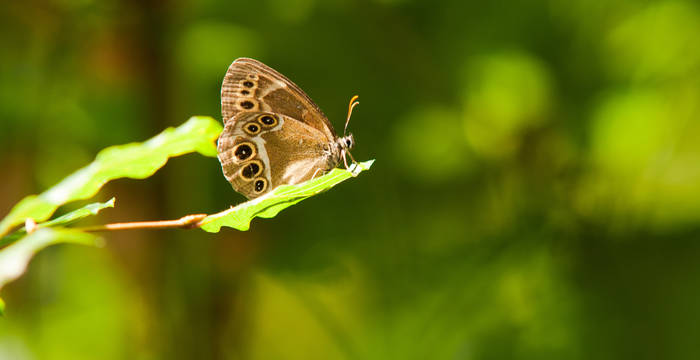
260,150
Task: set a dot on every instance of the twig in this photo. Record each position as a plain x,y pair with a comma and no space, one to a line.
185,222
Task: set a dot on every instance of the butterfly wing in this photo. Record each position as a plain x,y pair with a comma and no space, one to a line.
260,150
250,85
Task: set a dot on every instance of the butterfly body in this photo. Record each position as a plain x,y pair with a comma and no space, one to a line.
273,132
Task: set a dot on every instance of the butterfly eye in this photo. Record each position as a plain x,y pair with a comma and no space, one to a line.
260,185
251,170
244,151
252,128
268,120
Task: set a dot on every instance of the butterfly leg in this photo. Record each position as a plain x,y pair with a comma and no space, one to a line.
345,160
354,163
352,158
316,172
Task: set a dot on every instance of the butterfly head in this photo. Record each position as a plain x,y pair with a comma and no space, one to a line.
346,142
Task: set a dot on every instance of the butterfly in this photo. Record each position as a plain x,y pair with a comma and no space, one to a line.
274,133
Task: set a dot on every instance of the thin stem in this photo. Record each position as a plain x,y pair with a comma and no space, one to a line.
185,222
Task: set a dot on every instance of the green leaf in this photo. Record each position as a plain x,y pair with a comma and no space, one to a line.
269,205
135,160
67,219
83,212
14,258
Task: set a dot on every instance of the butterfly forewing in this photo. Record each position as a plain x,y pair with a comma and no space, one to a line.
250,85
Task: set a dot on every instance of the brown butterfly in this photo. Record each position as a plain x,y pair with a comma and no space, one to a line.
274,133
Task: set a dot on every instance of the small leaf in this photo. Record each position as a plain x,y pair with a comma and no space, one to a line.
67,219
14,258
135,160
83,212
269,205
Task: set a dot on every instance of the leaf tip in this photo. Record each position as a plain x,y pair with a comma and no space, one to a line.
367,164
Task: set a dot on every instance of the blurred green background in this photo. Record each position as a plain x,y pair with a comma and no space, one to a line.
536,193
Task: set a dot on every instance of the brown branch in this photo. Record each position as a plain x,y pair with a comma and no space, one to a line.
185,222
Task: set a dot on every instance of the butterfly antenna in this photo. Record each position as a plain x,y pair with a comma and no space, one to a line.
353,103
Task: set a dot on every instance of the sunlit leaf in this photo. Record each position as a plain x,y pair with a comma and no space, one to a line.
269,205
14,258
135,160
